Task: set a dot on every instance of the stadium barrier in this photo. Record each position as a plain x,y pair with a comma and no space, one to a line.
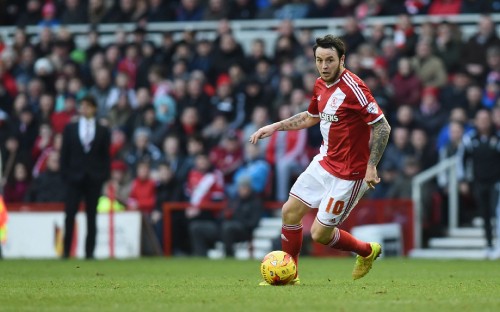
247,30
36,230
366,212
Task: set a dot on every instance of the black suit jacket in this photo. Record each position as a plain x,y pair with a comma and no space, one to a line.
76,164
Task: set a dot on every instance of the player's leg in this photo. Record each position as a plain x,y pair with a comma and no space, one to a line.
342,197
306,193
291,231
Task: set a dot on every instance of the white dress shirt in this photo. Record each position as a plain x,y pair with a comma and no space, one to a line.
86,132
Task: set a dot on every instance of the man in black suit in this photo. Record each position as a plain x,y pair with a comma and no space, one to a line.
85,164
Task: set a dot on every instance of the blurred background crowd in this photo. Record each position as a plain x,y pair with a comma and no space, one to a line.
181,108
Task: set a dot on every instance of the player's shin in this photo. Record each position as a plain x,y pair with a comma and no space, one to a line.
344,241
291,240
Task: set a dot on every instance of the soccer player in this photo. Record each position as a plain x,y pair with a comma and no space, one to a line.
346,165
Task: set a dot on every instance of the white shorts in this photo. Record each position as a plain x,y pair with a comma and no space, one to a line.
334,197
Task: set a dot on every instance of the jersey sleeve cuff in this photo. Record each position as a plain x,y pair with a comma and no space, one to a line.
312,115
376,119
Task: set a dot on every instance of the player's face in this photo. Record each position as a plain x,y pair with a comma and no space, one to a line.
328,64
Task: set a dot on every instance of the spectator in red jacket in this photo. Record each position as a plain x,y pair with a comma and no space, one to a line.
142,195
130,63
205,185
228,156
406,85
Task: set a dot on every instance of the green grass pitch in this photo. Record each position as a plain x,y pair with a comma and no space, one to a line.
189,284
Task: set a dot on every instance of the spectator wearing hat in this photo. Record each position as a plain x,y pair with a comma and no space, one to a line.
85,164
116,190
430,115
236,223
227,102
49,18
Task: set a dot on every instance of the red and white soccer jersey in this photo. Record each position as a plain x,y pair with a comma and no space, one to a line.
346,109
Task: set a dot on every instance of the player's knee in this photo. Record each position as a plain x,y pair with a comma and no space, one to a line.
320,235
290,214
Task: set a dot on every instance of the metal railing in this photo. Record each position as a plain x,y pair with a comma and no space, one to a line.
245,29
447,166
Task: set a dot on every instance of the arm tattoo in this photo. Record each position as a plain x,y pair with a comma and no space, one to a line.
295,122
381,131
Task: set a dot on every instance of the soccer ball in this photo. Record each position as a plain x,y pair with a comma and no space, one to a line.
278,268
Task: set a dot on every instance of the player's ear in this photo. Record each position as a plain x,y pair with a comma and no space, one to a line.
342,61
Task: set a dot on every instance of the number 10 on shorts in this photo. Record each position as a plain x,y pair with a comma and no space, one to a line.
338,206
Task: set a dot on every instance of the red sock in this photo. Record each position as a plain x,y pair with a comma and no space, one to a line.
344,241
291,241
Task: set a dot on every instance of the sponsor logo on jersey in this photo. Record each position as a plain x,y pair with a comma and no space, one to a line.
328,117
372,108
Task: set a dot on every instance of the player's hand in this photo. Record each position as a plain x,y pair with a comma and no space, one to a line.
371,177
263,132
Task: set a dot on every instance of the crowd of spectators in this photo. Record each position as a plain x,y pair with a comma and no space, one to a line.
64,12
180,112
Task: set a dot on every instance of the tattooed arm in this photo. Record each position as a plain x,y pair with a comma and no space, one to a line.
300,121
380,136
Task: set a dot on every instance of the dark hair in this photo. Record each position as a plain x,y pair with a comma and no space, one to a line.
90,100
330,42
